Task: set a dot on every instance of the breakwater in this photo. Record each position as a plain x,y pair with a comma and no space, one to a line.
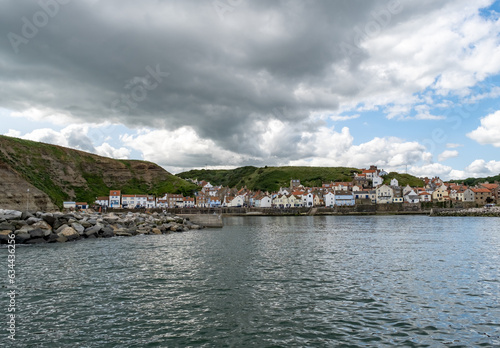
44,227
206,220
360,209
484,211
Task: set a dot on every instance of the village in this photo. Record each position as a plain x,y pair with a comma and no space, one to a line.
366,188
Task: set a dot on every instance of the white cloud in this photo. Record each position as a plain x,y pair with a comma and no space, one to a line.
344,118
45,114
13,133
446,51
180,148
447,154
453,146
489,131
73,136
478,168
482,168
107,150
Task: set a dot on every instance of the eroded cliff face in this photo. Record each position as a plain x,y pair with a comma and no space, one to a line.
62,174
14,193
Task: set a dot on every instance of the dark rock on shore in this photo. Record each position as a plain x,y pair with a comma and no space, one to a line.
45,227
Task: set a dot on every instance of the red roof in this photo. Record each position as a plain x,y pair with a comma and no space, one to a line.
490,186
480,190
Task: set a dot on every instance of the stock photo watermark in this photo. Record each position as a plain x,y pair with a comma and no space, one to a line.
31,26
138,89
380,20
222,7
11,286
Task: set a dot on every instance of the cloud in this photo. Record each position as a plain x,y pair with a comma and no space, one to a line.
453,146
478,168
489,131
447,155
75,137
107,150
222,76
344,118
482,168
195,89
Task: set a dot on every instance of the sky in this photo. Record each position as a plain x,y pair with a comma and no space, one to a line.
407,86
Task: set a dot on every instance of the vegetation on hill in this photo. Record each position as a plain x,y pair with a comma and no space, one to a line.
403,179
476,181
67,174
271,178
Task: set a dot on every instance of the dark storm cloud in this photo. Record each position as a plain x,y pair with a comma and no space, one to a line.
166,64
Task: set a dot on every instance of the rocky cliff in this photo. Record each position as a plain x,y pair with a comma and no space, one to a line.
55,174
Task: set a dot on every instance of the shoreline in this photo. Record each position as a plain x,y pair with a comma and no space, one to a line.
58,227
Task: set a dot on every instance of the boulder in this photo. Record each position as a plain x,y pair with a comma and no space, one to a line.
7,226
36,241
61,239
44,226
59,222
107,232
32,220
22,237
60,228
78,227
10,214
86,224
37,233
4,236
92,231
48,218
69,233
52,238
122,234
111,219
156,231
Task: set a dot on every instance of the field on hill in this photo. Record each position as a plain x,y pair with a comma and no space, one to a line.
271,178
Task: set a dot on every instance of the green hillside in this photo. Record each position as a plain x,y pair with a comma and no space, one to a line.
403,179
271,178
67,174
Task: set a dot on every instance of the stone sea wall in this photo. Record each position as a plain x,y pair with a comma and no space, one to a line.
43,227
491,211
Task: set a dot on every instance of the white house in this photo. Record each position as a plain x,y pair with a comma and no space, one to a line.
411,197
425,196
343,198
69,205
237,201
263,202
102,201
377,180
188,202
115,199
308,199
329,200
385,194
394,182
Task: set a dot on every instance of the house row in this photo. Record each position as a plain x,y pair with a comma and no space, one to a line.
366,188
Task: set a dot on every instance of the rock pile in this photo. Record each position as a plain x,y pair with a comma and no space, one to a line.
483,211
43,227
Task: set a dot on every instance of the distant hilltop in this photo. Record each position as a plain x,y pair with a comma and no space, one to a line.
272,178
39,176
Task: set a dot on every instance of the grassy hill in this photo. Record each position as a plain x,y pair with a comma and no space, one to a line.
271,178
403,179
67,174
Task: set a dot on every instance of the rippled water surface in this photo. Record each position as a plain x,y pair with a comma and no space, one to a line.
330,281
